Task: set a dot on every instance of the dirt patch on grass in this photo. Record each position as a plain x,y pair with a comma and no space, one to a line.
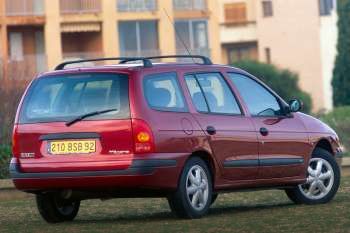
11,194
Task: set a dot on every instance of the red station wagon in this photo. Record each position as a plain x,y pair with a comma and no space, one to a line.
177,130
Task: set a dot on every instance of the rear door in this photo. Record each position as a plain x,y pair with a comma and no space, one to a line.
100,141
231,135
284,146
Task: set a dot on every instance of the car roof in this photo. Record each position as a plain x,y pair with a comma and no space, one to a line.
156,68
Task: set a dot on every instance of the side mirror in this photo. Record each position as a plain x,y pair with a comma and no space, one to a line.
295,105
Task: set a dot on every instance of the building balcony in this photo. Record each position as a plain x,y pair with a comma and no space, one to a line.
80,6
74,56
238,33
136,5
81,55
190,5
24,8
26,67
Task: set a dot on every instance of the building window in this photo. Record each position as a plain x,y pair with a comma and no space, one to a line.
16,46
194,34
267,8
242,52
138,38
326,7
268,55
235,13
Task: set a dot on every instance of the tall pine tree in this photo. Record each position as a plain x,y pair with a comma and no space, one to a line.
341,73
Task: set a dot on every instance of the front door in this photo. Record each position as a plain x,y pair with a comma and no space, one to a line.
283,141
231,135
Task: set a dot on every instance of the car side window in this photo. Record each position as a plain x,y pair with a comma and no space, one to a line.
210,93
259,100
197,96
163,93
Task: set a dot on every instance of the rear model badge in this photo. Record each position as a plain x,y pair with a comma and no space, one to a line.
119,152
27,155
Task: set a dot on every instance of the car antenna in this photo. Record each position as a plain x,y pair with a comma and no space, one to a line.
178,35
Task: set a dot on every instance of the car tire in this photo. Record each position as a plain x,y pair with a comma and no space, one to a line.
54,209
194,193
322,182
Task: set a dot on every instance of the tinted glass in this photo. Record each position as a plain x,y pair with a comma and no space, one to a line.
62,98
217,93
196,94
258,99
163,93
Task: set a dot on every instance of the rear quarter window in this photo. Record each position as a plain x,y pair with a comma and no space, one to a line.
163,92
64,97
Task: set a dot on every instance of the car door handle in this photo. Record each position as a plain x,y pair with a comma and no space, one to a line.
211,130
264,131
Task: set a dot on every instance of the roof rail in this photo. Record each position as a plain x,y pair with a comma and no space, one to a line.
146,60
205,60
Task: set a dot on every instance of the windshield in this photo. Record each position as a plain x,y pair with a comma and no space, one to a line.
65,97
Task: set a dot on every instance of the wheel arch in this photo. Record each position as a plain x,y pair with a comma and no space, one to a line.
209,160
325,144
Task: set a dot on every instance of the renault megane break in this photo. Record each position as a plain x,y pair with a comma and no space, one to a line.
177,130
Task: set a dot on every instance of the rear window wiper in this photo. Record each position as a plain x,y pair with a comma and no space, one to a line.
81,117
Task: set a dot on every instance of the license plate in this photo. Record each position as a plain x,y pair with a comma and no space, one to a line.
72,147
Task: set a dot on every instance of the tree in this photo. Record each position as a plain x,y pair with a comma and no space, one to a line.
341,72
283,82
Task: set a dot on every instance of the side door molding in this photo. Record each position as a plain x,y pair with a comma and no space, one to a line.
263,162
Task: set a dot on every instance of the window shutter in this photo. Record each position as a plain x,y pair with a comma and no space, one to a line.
235,13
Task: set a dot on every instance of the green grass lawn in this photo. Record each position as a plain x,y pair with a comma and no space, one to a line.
263,211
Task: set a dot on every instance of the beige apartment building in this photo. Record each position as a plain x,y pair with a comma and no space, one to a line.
36,35
300,35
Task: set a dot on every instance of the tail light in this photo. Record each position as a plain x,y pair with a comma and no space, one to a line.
15,147
143,137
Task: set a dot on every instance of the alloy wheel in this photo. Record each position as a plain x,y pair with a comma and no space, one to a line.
197,187
320,179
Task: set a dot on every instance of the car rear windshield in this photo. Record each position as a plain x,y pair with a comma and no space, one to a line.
65,97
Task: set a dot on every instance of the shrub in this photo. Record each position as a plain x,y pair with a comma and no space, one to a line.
10,95
283,82
341,81
11,89
339,120
5,156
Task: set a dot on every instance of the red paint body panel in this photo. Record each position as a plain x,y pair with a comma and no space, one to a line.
287,138
115,135
177,135
161,178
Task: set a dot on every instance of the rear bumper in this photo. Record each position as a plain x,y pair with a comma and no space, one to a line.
138,167
150,173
